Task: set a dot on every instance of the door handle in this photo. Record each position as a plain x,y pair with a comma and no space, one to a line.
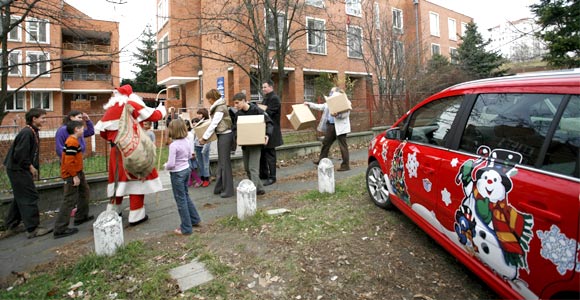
541,212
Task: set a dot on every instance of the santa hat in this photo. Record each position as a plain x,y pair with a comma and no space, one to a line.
126,90
121,95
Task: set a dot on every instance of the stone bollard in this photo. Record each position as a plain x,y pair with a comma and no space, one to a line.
326,176
108,232
246,199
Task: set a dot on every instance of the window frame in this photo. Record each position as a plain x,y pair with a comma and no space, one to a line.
398,29
353,7
452,50
315,3
434,29
452,30
349,52
15,101
163,51
162,13
41,93
272,39
17,30
29,64
29,30
321,32
463,28
377,15
18,66
438,47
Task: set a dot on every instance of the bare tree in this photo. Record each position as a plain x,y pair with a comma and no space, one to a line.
13,15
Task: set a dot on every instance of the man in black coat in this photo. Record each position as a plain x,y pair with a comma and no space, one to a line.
268,158
22,164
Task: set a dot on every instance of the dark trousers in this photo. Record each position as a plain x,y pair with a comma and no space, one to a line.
224,177
268,163
73,195
24,206
251,157
329,138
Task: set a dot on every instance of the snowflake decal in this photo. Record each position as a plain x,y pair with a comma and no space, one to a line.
412,164
446,197
558,249
385,150
454,162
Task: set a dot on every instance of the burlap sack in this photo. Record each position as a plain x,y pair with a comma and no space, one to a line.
137,149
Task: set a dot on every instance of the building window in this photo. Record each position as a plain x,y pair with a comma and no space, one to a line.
316,35
80,97
162,13
38,31
463,28
15,35
452,26
435,49
309,88
16,103
453,55
15,63
41,100
398,20
399,52
434,23
317,3
379,52
353,7
354,42
37,64
163,51
271,27
377,16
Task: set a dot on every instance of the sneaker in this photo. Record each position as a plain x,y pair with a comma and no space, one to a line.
39,231
205,183
260,192
343,168
66,232
88,218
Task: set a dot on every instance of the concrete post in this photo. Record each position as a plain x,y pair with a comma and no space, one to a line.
246,199
108,232
326,176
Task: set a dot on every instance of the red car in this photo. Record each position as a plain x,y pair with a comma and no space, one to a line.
490,170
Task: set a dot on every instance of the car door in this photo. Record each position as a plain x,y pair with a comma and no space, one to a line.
505,211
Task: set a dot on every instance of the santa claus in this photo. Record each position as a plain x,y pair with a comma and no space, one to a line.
120,182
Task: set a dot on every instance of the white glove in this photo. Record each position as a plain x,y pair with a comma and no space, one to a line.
162,109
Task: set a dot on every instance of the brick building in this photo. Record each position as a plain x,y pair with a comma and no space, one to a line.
419,24
75,56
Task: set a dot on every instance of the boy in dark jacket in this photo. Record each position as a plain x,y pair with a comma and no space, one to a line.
252,153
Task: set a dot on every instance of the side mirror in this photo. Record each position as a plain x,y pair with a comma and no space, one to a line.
393,133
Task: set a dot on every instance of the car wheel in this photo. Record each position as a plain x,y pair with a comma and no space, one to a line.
377,187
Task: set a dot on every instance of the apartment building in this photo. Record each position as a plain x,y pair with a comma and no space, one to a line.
75,57
516,40
422,26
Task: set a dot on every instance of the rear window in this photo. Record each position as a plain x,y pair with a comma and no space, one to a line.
520,123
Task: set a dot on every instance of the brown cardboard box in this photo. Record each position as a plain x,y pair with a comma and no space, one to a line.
301,117
251,130
338,103
200,129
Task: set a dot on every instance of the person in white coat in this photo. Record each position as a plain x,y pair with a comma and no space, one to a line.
334,127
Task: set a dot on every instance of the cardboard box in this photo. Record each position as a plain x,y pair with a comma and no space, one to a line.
338,103
200,129
251,130
263,107
301,117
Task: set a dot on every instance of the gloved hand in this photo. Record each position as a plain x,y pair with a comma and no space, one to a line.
162,109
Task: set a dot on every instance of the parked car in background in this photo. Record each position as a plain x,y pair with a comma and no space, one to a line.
490,170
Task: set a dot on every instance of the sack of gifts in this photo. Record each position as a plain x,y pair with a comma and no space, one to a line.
137,149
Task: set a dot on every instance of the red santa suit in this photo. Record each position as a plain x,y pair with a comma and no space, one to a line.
126,183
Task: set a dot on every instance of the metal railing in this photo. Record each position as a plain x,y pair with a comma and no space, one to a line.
71,76
87,47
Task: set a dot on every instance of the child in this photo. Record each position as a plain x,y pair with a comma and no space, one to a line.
178,166
75,184
251,153
202,151
192,161
149,131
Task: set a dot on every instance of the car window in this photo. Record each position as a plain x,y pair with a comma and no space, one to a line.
430,123
516,122
562,156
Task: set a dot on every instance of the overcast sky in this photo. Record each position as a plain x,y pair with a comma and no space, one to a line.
134,15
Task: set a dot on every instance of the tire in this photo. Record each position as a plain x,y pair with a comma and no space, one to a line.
377,187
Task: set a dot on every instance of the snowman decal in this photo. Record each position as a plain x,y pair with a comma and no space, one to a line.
485,222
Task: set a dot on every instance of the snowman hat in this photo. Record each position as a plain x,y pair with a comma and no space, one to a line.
502,161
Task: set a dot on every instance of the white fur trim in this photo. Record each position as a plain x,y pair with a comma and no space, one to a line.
107,125
135,187
136,215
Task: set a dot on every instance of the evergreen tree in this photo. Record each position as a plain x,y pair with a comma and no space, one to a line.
473,59
560,22
146,78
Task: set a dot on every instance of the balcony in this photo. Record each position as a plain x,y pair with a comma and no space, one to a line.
87,47
70,76
87,81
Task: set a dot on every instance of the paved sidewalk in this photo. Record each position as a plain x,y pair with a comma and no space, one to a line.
17,253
